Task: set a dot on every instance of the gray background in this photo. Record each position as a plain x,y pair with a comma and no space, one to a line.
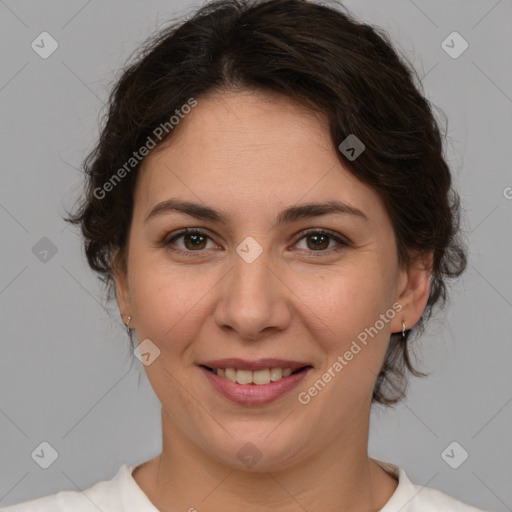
65,371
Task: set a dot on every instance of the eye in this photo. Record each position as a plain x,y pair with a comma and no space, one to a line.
194,240
319,240
316,240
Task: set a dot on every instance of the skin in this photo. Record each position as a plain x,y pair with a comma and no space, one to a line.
251,155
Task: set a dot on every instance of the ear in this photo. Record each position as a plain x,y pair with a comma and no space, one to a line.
413,291
121,286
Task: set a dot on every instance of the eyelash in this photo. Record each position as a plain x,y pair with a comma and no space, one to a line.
342,244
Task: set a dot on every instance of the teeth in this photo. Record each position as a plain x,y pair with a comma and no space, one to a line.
244,376
230,374
258,377
276,374
261,377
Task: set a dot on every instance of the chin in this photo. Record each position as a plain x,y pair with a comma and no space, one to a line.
257,453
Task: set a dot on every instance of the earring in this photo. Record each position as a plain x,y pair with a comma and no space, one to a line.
403,331
127,323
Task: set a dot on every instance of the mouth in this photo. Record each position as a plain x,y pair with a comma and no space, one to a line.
258,377
254,383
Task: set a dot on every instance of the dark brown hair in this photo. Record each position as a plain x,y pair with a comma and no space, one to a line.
324,59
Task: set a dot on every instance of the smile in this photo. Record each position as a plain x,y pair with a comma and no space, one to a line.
258,377
254,387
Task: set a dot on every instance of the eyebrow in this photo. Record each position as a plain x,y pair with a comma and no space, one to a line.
287,216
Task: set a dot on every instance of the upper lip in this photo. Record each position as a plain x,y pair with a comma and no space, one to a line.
259,364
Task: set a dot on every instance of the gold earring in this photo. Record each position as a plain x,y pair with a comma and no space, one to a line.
403,331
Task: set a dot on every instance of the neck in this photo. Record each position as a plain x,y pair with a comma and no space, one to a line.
341,476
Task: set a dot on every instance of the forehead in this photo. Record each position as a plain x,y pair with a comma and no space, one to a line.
234,127
253,149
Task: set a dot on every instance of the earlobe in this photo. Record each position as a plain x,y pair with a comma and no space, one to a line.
127,322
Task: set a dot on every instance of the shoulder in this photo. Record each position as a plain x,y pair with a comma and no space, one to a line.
429,500
409,497
104,495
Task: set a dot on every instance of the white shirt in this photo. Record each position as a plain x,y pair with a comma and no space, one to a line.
123,494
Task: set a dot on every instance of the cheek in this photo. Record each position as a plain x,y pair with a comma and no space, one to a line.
346,302
343,309
170,307
356,342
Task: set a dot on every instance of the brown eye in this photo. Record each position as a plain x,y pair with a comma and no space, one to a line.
192,241
320,241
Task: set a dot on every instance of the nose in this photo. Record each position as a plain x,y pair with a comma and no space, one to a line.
254,300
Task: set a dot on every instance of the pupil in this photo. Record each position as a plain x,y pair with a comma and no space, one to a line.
319,245
196,240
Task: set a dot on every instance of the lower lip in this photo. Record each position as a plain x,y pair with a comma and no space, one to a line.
254,394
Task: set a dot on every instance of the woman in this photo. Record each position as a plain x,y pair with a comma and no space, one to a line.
269,202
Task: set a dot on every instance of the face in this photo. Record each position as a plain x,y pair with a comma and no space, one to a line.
249,282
